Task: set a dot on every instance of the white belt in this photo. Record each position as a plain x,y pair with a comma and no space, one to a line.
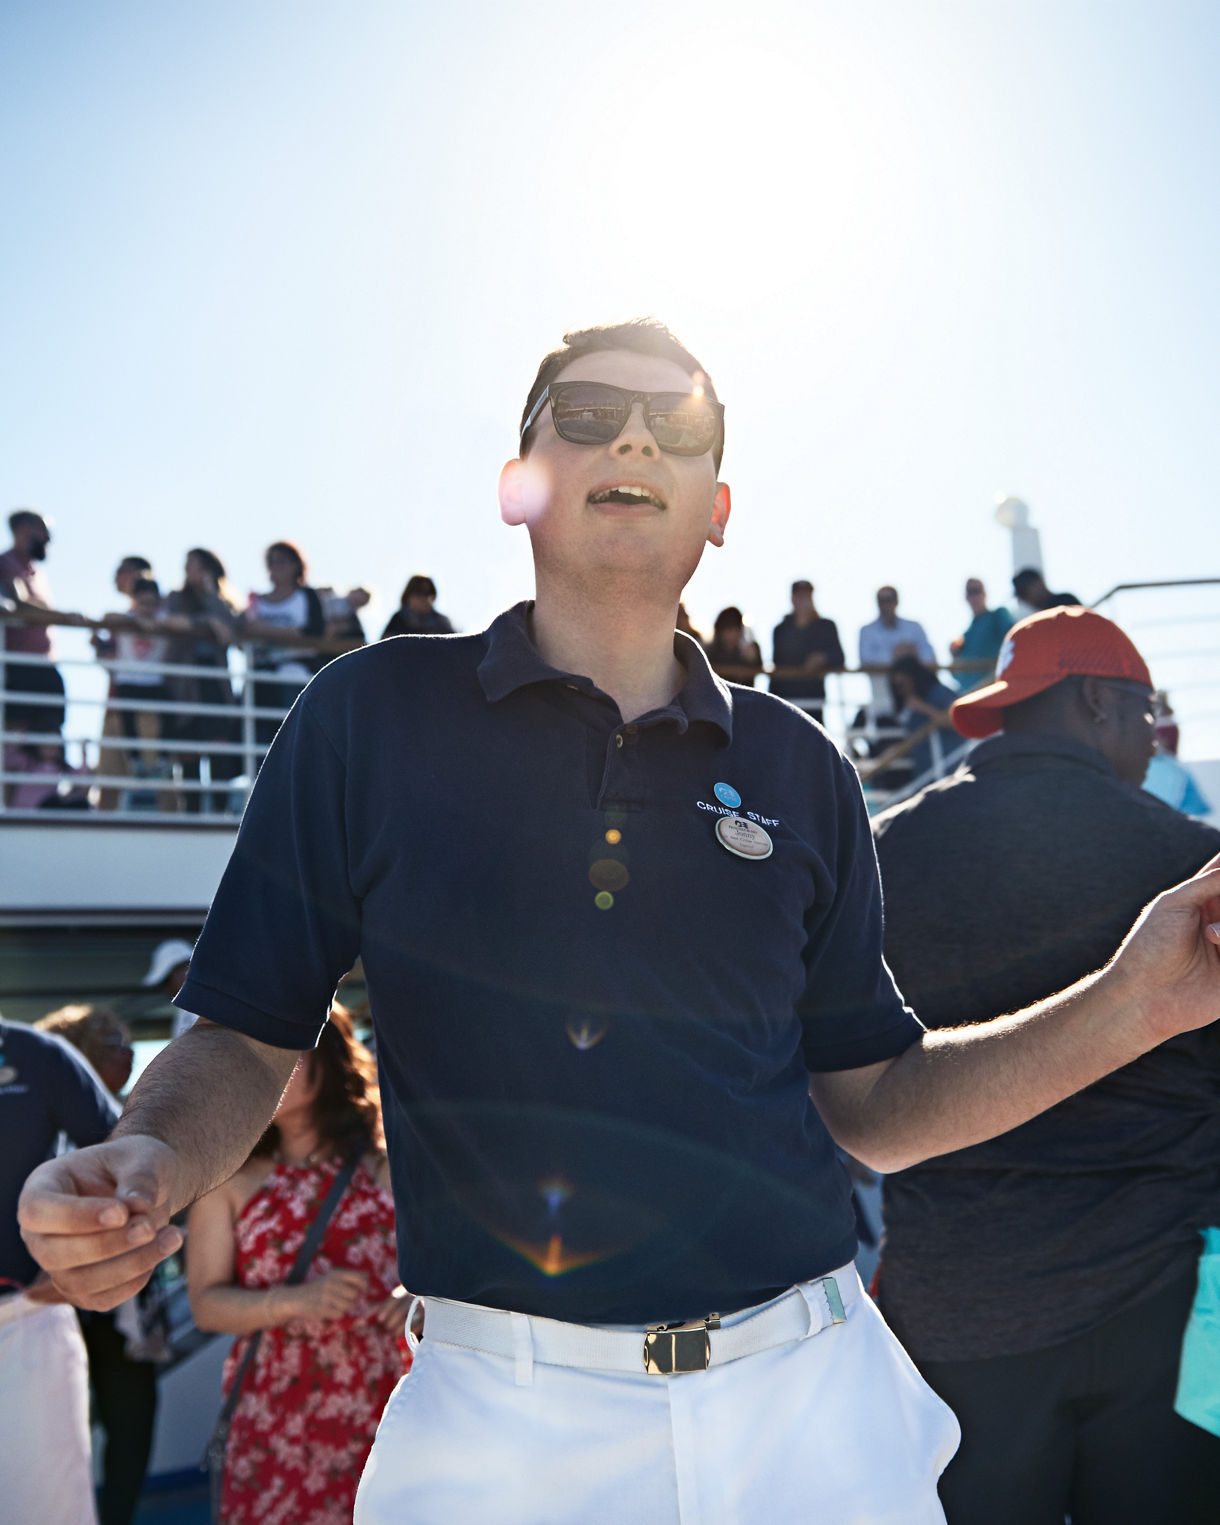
659,1349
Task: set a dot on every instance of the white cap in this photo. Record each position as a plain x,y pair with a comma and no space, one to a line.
166,956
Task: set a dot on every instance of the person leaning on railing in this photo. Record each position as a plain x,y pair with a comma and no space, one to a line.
203,621
25,600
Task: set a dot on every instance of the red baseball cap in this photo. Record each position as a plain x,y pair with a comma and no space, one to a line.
1037,653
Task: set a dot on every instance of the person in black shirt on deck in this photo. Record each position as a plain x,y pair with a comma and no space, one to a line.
806,640
607,1102
1030,588
46,1089
1070,1243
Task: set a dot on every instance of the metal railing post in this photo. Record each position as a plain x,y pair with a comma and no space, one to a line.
250,762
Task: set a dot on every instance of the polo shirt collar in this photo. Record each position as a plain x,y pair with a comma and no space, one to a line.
512,661
1004,748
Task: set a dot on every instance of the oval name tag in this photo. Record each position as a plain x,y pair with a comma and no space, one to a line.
744,839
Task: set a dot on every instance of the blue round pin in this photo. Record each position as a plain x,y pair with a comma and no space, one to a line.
727,795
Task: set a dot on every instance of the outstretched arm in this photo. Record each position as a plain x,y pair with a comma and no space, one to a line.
98,1219
959,1086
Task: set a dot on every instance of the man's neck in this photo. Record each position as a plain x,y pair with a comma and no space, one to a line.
888,620
627,649
805,616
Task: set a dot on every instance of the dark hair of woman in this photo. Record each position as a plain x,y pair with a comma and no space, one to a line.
347,1108
921,678
286,548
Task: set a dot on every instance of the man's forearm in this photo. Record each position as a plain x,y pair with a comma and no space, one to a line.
209,1096
959,1086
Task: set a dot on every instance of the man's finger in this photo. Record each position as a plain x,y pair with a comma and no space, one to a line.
64,1252
84,1284
103,1302
45,1211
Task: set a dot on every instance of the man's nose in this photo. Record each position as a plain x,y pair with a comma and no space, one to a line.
636,435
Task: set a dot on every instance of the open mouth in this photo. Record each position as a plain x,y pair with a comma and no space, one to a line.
634,497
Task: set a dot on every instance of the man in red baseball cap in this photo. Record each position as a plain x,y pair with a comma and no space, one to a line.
1069,1243
1106,705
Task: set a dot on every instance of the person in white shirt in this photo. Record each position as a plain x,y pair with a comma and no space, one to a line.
887,637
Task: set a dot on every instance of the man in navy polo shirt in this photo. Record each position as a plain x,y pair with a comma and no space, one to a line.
597,1094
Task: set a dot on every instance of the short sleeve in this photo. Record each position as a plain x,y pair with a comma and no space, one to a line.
852,1013
81,1104
284,927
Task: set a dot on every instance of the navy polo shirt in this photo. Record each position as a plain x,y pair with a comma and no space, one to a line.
46,1088
594,1023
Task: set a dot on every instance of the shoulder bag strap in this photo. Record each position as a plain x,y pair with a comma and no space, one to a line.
300,1265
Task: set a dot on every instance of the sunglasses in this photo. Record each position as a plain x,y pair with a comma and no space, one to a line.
594,413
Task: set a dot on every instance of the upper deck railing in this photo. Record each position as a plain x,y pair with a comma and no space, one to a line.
133,759
169,778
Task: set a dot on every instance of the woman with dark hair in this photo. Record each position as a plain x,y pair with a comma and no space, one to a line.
203,621
920,696
732,650
417,613
332,1348
290,608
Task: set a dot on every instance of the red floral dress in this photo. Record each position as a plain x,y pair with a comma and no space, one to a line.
311,1402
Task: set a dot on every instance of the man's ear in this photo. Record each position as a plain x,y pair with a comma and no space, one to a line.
722,506
512,491
1092,697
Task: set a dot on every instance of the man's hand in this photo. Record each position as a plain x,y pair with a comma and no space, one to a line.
1170,960
97,1220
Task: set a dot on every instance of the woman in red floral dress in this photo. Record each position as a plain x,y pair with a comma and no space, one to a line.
332,1348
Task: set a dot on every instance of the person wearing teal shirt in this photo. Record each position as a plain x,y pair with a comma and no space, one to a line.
982,638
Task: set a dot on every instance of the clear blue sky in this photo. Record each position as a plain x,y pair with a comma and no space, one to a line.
286,269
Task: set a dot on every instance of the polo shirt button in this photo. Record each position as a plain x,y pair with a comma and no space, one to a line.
618,740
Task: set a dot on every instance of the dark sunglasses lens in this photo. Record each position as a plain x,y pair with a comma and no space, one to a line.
588,412
681,423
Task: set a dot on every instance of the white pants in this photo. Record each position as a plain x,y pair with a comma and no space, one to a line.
46,1475
836,1429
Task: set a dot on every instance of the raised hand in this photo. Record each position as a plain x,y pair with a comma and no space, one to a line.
1170,960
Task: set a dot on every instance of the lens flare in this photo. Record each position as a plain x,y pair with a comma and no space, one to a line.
584,1033
603,900
608,874
614,837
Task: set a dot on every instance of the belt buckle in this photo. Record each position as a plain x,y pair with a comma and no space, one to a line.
670,1349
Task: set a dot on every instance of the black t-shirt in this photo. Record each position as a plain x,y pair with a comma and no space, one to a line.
46,1089
594,1023
793,644
1004,884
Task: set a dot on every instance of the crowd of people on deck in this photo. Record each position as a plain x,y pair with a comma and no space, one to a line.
167,658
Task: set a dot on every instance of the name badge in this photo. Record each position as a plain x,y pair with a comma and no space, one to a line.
744,839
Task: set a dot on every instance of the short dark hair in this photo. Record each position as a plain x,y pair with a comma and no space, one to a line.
286,548
802,585
1024,577
419,584
138,563
145,585
20,516
646,336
